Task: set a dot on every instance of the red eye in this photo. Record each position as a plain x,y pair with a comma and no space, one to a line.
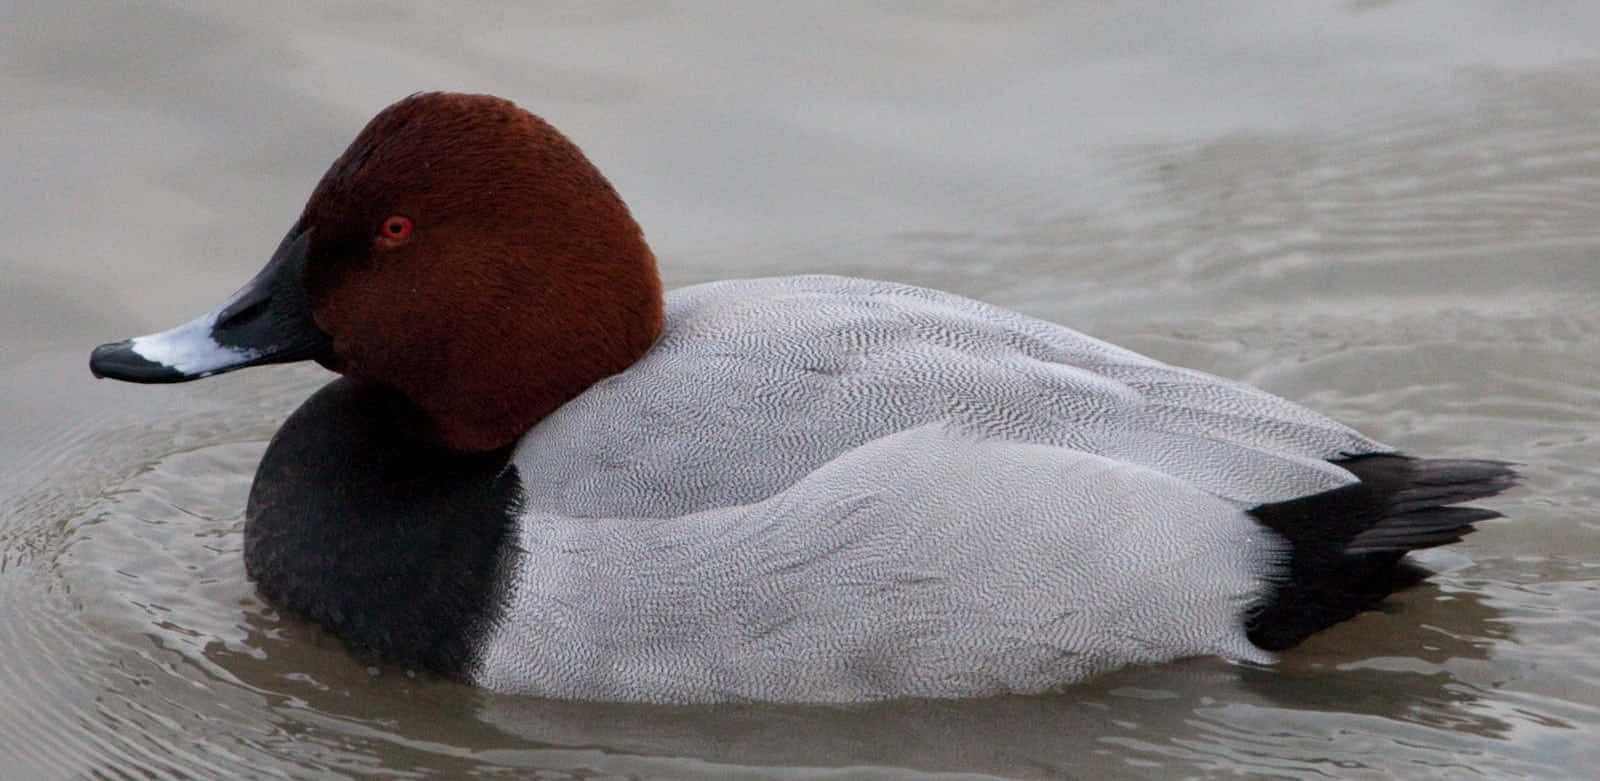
396,228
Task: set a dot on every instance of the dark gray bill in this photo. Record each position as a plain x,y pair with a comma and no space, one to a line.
266,321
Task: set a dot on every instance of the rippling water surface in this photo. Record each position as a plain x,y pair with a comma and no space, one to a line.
1389,211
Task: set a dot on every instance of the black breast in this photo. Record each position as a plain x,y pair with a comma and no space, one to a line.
391,542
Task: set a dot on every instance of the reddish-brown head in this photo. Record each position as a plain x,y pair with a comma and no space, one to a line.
467,254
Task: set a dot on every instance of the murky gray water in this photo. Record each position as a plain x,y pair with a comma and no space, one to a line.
1387,210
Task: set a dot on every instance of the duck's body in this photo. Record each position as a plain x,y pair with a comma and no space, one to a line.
821,488
790,489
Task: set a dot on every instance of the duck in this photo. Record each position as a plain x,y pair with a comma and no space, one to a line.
538,473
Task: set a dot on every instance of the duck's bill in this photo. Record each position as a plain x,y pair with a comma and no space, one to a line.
267,321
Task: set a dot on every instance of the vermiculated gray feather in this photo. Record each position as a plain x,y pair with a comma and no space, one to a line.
818,488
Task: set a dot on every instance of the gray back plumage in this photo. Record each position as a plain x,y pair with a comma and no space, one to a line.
757,382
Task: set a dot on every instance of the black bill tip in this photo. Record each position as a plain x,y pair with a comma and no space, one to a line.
118,361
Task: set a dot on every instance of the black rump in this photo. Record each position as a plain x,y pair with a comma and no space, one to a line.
1347,544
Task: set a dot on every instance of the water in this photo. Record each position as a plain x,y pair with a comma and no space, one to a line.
1389,211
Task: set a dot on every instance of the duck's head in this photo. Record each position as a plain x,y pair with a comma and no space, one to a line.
461,251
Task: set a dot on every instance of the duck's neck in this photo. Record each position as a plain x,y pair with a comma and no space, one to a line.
391,542
519,355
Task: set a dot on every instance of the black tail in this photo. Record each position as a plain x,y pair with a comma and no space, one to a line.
1346,545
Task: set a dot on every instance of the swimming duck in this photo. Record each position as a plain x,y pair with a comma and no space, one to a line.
539,474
